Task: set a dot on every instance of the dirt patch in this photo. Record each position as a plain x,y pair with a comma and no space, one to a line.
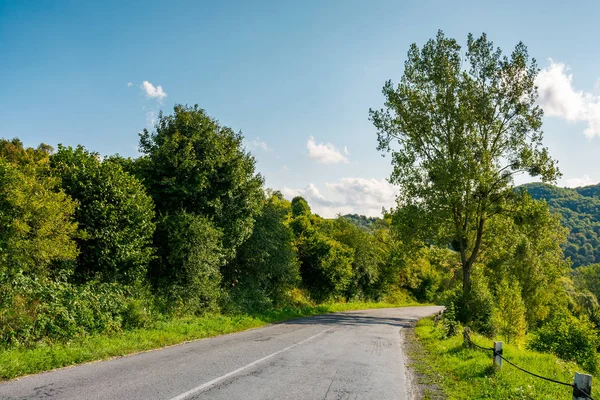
419,385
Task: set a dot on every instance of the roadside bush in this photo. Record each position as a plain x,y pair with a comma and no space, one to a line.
325,266
186,270
451,325
508,316
114,215
265,267
33,310
476,308
569,338
36,228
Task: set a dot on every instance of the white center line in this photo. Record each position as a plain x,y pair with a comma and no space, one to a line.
209,384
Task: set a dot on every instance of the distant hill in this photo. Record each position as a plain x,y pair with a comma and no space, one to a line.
580,211
362,221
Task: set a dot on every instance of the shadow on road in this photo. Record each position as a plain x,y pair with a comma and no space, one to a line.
349,319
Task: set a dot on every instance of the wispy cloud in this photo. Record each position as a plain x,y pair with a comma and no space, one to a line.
285,168
153,92
260,144
129,84
559,98
325,153
348,196
578,182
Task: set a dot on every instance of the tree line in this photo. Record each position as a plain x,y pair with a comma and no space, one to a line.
101,244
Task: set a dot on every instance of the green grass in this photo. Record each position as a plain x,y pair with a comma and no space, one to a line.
463,373
28,360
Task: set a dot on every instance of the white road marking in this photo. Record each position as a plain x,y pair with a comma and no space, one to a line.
209,384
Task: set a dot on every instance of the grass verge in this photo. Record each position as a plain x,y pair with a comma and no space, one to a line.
463,373
43,357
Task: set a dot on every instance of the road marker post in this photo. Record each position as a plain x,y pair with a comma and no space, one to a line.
498,355
582,386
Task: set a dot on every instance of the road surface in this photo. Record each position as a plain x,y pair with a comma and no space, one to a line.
351,355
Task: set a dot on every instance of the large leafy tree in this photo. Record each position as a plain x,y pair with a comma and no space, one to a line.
459,126
191,163
115,216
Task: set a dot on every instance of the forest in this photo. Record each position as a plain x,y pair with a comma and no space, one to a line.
579,209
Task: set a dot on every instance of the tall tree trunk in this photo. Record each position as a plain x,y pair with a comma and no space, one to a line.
466,278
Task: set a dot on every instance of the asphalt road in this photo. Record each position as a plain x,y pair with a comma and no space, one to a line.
352,355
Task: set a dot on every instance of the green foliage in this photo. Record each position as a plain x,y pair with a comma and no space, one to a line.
266,266
367,223
571,339
300,207
459,126
579,209
526,248
325,266
193,164
186,269
451,325
476,307
114,214
36,230
588,278
508,316
366,259
34,310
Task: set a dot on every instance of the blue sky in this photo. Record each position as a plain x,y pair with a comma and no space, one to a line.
297,78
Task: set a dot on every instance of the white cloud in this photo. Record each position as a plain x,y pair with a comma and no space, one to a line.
577,182
349,196
153,92
558,98
325,153
285,168
260,144
129,84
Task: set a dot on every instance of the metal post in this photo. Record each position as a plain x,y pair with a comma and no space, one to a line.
498,354
583,384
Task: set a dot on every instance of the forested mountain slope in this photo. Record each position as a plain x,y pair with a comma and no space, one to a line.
580,210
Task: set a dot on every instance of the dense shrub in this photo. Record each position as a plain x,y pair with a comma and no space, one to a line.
508,316
114,215
33,309
569,338
189,254
475,309
266,266
325,266
36,228
451,325
366,260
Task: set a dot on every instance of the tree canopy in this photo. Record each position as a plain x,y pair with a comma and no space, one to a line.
459,126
